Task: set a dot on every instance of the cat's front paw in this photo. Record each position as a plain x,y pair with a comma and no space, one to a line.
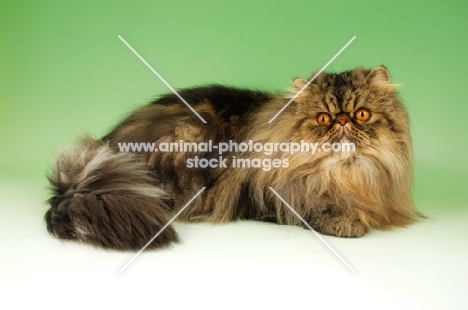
341,226
351,229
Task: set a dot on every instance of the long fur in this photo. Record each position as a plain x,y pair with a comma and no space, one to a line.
107,199
120,200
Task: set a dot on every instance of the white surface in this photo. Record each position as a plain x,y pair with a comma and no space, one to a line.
244,265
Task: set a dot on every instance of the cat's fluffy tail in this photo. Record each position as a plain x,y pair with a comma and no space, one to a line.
107,199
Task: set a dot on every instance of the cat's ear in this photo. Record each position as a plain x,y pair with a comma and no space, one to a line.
380,77
299,84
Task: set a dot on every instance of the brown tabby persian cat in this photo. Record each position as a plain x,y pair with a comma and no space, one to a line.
120,200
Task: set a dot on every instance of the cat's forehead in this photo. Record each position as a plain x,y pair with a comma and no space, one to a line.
341,82
339,91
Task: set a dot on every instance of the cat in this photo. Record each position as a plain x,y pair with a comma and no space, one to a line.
120,200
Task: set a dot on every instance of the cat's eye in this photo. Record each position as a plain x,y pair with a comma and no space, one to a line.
323,119
362,115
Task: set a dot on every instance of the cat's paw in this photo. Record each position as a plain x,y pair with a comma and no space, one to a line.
348,227
352,229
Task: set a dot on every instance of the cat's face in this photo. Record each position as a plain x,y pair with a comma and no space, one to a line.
357,106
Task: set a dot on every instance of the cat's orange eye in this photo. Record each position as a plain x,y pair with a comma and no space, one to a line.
323,119
362,115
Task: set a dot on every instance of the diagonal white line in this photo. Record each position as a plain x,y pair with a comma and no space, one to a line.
311,80
318,236
162,79
162,229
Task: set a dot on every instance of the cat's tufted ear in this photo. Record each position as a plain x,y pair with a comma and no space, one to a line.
299,84
381,78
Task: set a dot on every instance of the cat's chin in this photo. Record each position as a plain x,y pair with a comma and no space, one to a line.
344,156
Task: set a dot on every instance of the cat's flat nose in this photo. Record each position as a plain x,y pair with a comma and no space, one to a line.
342,120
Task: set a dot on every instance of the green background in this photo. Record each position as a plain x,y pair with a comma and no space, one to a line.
63,70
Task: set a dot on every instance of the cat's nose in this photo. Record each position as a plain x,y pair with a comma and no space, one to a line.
342,120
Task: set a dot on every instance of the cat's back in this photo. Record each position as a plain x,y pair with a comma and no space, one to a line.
224,101
224,109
